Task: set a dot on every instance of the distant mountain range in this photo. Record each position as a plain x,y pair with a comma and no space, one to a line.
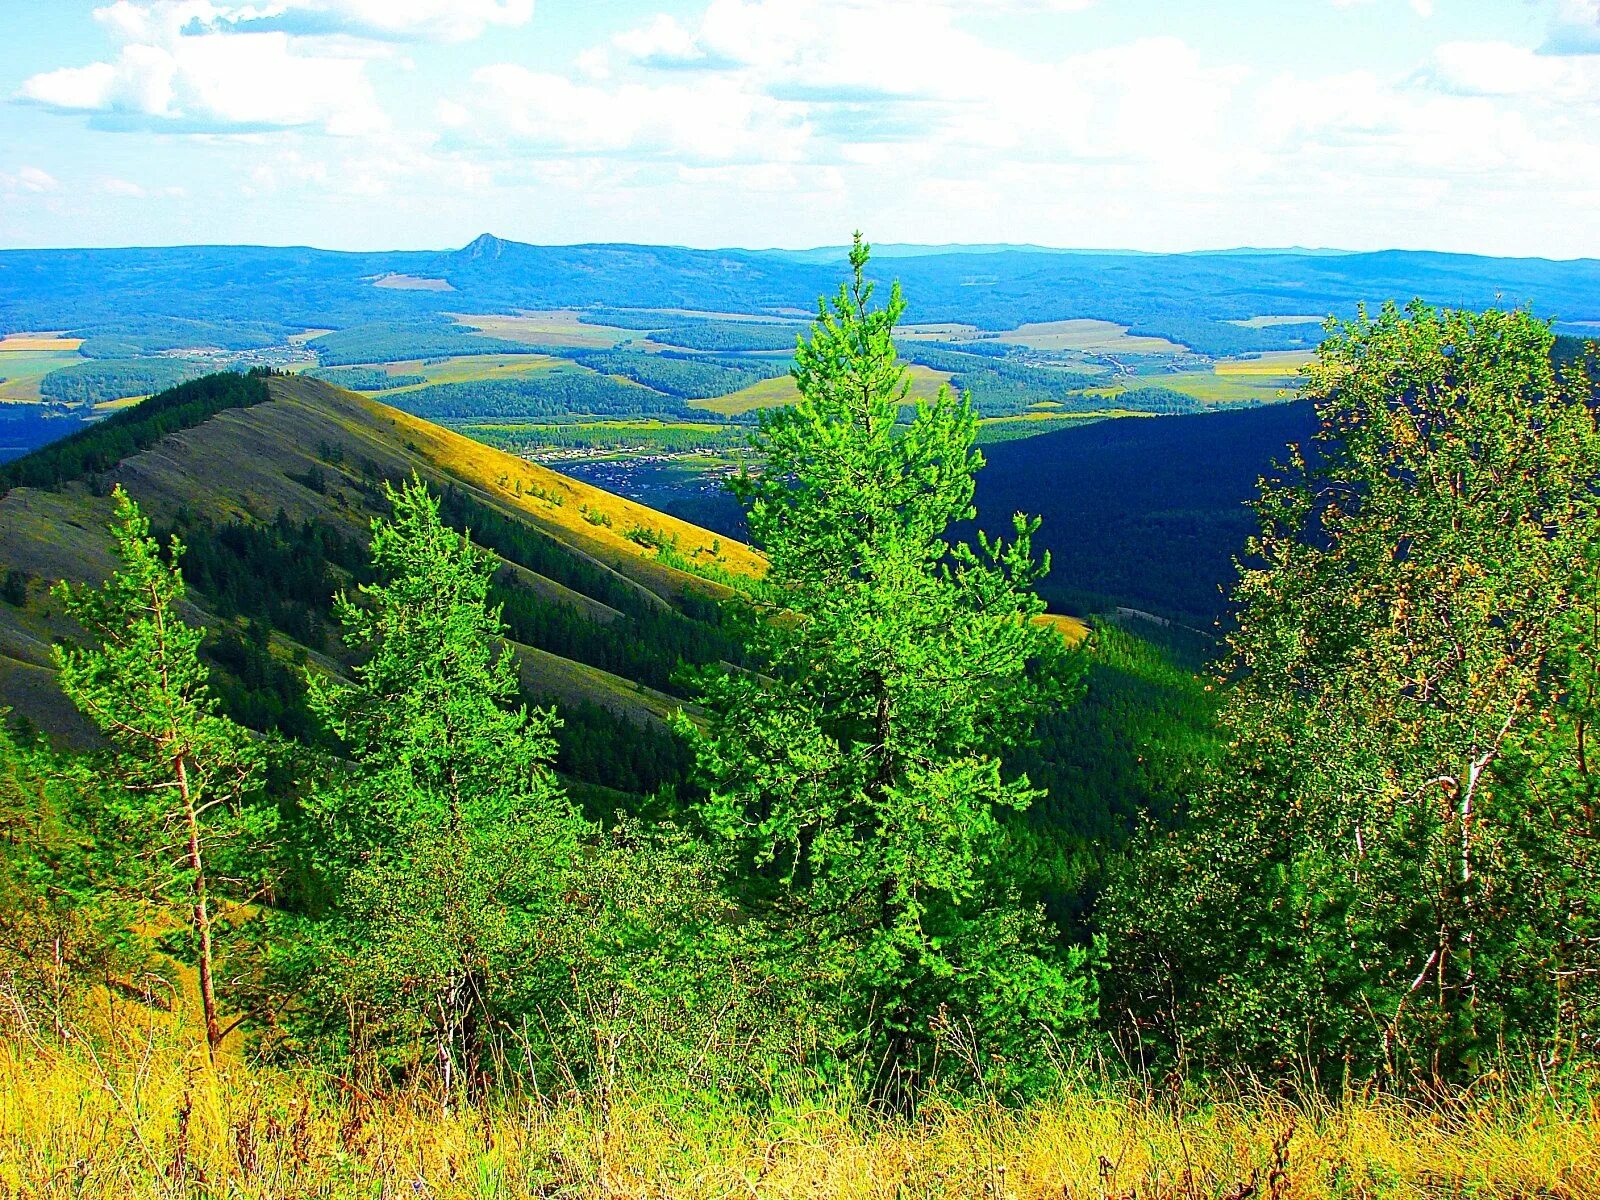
282,290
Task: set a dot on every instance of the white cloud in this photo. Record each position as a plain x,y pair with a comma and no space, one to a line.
1502,69
177,68
114,186
30,179
702,120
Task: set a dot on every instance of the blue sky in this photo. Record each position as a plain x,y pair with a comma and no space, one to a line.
1469,125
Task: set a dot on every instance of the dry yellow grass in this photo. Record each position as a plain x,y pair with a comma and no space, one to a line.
1072,629
140,1114
123,402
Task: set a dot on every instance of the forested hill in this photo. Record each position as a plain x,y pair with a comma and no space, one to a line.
1144,512
1149,512
272,481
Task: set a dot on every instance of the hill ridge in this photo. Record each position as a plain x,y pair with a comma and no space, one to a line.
596,613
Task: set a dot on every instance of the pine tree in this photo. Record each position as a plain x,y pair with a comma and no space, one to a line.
451,844
859,764
187,773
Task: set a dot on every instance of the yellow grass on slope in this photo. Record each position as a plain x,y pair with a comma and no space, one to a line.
144,1119
595,519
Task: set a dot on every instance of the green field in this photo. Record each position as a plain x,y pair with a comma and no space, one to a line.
776,392
467,368
1256,379
22,370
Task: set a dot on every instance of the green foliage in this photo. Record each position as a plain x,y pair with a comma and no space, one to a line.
61,926
188,774
364,379
728,335
856,767
145,333
89,383
1000,387
101,446
1156,399
1207,335
649,437
1384,876
689,376
476,916
567,395
452,843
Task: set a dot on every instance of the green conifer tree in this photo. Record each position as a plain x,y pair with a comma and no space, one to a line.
859,765
452,842
187,773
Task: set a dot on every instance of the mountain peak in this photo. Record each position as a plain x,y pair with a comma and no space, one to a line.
485,245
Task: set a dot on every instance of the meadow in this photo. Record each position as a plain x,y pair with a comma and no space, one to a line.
25,362
134,1111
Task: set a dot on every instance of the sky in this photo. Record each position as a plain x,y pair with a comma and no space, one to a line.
1463,125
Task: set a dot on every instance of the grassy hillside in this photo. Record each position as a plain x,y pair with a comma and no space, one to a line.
274,501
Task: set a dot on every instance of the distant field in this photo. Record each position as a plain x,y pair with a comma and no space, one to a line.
695,314
38,341
23,369
1268,322
468,368
557,327
1095,337
588,437
114,405
412,283
773,393
1260,378
937,331
1272,362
